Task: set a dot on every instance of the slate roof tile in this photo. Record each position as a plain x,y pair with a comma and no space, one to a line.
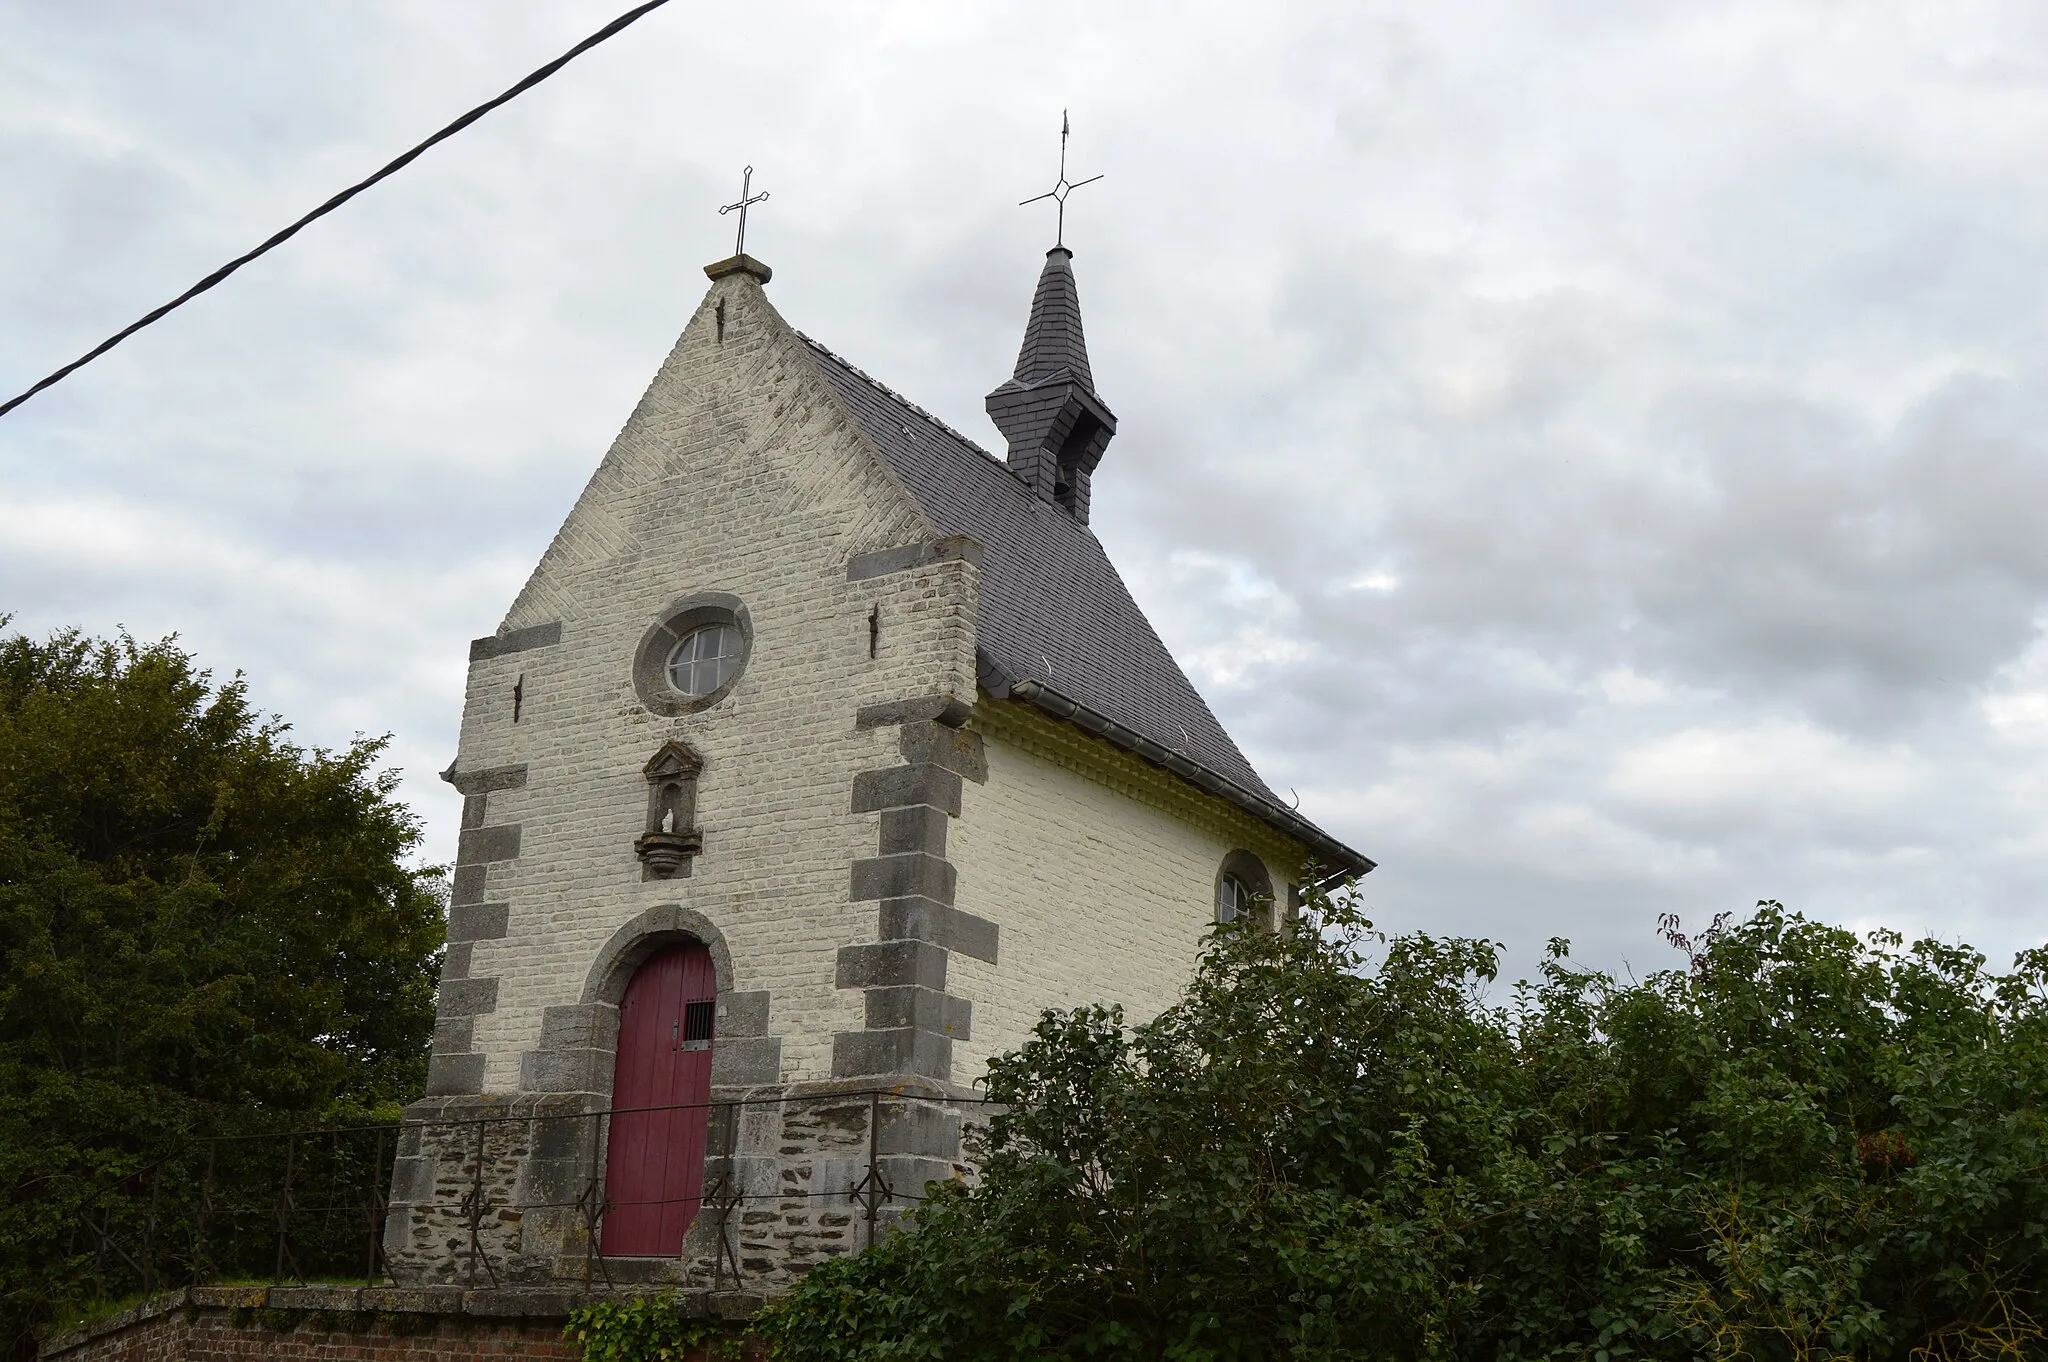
1053,608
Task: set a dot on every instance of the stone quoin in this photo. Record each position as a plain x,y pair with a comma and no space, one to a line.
809,682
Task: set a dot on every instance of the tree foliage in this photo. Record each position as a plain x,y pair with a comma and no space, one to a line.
1801,1145
204,930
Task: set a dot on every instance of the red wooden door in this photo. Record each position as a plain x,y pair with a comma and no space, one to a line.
654,1156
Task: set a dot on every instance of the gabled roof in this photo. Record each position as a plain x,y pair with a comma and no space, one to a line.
1058,627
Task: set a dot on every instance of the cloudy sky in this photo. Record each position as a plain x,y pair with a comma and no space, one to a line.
1594,453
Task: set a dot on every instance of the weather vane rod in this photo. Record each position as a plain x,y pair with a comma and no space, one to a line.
747,200
1058,193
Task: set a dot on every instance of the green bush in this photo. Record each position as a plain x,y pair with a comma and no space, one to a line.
204,931
647,1329
1801,1145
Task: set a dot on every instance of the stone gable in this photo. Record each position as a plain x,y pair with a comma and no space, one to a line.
894,851
739,474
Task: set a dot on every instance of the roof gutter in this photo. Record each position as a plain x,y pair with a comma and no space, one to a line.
1328,850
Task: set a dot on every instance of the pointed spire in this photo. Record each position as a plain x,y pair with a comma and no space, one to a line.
1056,426
1053,344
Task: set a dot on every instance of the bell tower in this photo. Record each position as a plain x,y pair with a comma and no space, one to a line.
1048,411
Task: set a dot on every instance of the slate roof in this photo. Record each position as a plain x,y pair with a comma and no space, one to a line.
1054,345
1053,609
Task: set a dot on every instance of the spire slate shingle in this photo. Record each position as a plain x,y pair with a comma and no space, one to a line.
1054,610
1056,425
1053,344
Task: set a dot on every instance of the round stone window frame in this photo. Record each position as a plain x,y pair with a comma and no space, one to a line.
678,622
1248,870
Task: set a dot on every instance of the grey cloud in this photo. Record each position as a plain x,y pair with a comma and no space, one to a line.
1591,452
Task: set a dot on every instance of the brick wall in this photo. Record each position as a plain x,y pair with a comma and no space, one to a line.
342,1324
1083,874
1100,869
736,473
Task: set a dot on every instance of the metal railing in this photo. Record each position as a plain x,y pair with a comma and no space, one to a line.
303,1206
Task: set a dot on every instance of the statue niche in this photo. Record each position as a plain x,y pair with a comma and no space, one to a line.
671,838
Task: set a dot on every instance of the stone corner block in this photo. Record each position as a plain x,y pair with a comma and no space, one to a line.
454,1035
958,750
924,1008
478,921
884,963
476,846
897,787
859,1054
917,828
466,997
907,873
455,1075
746,1061
918,918
468,886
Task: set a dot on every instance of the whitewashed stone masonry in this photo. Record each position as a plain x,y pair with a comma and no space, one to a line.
897,871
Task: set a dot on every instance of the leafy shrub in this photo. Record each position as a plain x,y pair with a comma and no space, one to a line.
204,931
1802,1145
647,1329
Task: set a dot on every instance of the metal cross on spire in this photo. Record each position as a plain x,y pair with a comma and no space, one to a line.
1058,193
747,200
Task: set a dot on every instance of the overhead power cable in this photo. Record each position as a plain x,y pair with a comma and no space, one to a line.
611,29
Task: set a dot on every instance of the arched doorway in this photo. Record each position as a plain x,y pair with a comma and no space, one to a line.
661,1090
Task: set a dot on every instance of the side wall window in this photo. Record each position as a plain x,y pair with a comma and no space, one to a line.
1243,888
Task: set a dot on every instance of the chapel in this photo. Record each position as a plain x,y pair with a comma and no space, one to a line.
821,750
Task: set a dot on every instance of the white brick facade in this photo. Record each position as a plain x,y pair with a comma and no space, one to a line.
1018,862
736,473
1101,870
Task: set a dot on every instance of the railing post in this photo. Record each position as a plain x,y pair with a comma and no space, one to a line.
284,1212
377,1208
728,1196
592,1205
202,1217
871,1191
156,1180
473,1208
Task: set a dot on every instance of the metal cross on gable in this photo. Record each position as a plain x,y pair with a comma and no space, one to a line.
747,200
1058,193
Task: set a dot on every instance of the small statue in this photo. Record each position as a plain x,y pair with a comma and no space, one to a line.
667,846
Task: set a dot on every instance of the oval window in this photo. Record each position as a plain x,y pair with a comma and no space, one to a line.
705,659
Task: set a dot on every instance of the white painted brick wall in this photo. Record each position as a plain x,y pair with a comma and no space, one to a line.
1100,869
736,473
